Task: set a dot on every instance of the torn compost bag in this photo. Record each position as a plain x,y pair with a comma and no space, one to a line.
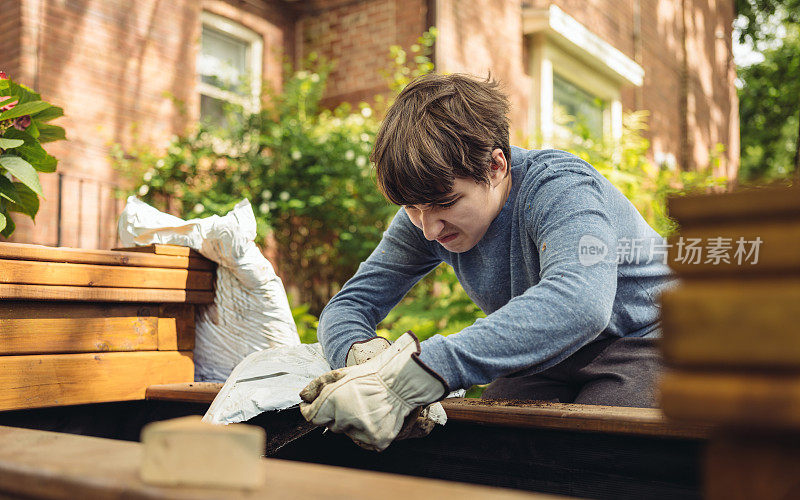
267,380
250,311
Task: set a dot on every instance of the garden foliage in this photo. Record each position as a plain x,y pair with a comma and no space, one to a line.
305,170
23,130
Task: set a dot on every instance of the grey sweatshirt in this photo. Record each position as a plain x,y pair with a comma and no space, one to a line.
566,261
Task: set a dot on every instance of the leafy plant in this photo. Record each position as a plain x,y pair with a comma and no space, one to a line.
304,169
23,129
625,164
769,110
408,65
306,323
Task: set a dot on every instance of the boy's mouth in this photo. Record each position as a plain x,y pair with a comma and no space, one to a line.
449,237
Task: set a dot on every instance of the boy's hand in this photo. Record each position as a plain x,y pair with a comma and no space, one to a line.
370,401
419,422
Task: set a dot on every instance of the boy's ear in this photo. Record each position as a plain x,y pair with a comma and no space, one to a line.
499,164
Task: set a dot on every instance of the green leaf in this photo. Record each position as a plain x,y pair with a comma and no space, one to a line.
50,133
22,109
8,225
32,151
21,92
50,113
8,191
29,202
10,143
33,129
2,223
23,171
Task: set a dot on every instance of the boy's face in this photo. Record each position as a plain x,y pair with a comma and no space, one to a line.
461,225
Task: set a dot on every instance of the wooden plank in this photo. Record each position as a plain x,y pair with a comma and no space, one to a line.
49,465
39,381
159,249
189,392
574,417
733,324
778,252
66,327
101,294
583,464
176,327
66,274
507,413
749,399
22,251
748,204
745,467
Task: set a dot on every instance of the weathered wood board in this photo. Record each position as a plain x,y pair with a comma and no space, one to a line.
748,204
138,257
103,294
746,324
161,249
176,327
749,399
68,327
765,248
51,465
93,275
747,467
36,381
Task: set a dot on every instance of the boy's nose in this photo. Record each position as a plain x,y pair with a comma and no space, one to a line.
432,226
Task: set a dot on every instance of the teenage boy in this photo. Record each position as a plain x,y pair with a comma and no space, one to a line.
533,237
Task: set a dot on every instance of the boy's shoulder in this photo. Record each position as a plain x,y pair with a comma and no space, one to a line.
536,167
538,159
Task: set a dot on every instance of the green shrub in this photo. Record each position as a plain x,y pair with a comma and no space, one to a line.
304,169
23,130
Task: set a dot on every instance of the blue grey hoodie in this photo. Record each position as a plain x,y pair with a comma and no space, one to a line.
567,260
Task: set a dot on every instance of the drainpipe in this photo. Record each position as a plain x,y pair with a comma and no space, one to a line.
430,20
683,97
638,49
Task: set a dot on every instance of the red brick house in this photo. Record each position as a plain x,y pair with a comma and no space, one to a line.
112,64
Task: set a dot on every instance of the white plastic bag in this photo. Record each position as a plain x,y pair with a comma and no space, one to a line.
267,380
250,310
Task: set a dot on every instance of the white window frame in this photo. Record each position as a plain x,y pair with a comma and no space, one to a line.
560,44
254,62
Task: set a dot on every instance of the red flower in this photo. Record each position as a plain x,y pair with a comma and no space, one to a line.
22,122
9,105
3,75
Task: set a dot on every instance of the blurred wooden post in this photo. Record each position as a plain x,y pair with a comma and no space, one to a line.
731,341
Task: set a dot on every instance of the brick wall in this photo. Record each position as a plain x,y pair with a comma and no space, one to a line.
712,112
479,36
356,36
118,70
709,113
10,36
112,67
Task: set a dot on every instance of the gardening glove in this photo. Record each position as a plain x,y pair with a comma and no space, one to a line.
370,401
421,421
365,350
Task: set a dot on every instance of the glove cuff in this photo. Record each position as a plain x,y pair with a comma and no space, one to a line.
414,381
364,350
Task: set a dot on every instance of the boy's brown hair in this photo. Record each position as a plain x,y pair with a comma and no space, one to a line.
440,127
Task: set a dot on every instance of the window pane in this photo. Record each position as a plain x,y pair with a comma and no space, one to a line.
223,60
586,108
211,110
219,113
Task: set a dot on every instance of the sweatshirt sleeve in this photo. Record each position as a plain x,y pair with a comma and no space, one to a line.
400,260
570,305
